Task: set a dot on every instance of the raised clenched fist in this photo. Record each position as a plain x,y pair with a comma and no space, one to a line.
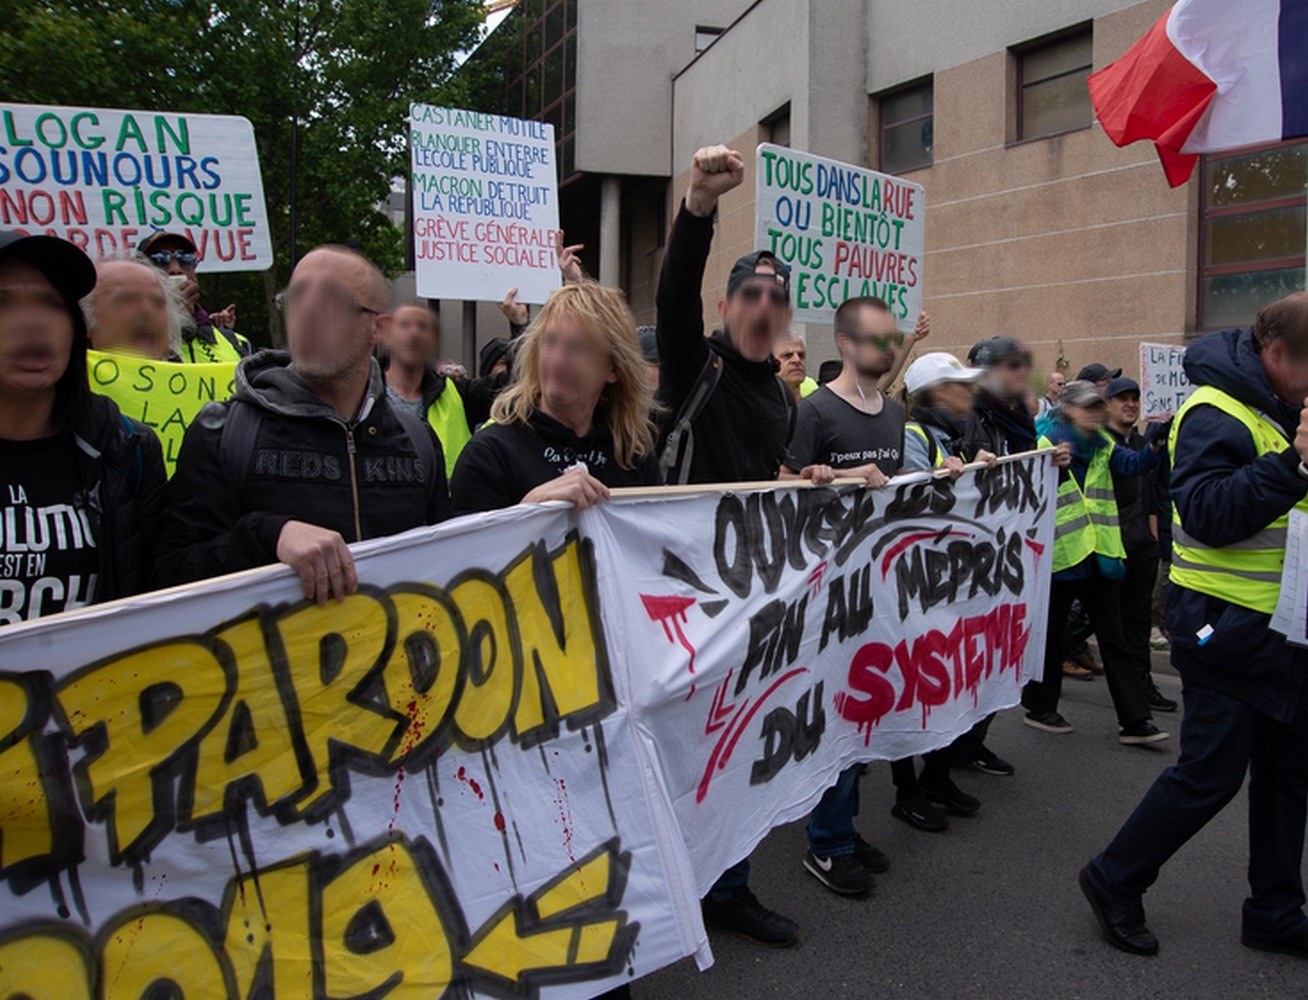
714,171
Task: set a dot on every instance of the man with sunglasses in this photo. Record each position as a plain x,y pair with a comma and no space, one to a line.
731,414
851,425
1001,423
309,454
212,338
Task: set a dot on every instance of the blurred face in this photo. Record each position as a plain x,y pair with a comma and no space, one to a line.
793,358
335,315
172,256
1124,409
755,314
131,310
1012,376
1086,419
412,337
574,366
1287,371
36,332
1102,385
1055,385
956,397
870,342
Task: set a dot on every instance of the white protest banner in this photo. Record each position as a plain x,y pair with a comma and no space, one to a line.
845,231
788,634
1163,382
107,178
485,205
511,762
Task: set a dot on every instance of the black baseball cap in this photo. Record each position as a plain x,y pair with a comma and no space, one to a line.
1119,385
489,355
991,351
63,264
747,267
159,235
1099,373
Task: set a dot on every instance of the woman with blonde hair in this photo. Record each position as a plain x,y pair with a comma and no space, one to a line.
577,418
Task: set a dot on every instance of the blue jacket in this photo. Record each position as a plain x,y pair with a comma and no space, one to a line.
1226,492
1123,462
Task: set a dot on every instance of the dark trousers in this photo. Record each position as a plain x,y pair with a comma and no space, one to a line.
1137,590
968,747
1102,604
935,768
1221,737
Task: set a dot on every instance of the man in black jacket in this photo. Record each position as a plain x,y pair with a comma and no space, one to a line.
309,455
1134,509
81,486
731,414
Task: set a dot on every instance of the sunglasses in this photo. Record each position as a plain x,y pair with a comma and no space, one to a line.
186,259
881,341
776,294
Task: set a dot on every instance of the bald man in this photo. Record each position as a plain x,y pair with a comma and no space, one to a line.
309,455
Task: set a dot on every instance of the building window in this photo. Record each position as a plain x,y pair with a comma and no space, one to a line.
1052,96
907,128
1253,235
775,128
705,36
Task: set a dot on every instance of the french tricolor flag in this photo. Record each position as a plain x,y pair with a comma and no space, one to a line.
1211,75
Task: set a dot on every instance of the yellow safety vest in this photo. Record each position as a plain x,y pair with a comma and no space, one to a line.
1085,521
200,350
933,450
449,420
808,386
1247,573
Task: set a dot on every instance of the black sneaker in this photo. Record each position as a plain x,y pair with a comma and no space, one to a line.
739,910
842,874
869,857
1158,702
951,798
1140,734
1295,944
920,814
987,761
1048,722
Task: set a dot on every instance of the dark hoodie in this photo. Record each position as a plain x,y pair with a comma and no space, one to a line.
361,478
742,432
998,427
1226,492
504,462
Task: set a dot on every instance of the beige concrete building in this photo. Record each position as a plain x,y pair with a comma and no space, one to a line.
1037,226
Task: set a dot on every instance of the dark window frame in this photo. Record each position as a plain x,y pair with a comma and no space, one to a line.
923,83
1020,53
1204,271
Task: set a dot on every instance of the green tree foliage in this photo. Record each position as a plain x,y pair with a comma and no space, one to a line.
345,69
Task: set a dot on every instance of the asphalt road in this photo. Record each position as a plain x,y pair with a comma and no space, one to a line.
992,908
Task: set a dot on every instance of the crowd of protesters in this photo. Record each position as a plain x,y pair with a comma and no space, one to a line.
577,401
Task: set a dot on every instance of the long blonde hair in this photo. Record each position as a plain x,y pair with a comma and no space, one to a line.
627,404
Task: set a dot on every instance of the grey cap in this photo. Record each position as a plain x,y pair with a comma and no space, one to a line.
1081,393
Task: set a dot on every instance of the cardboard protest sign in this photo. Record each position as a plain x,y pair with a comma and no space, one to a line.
163,395
106,178
845,231
511,762
485,205
1163,382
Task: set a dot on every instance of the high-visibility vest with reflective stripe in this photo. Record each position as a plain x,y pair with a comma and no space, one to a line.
449,420
1247,573
936,458
1085,520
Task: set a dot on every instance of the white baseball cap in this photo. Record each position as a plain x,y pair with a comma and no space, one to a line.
936,367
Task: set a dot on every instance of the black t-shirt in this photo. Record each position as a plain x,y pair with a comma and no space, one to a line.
828,431
48,557
504,462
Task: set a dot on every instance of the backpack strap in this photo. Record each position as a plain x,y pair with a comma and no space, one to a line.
237,441
421,437
679,449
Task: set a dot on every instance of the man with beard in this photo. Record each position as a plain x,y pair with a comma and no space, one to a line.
729,415
850,425
309,454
